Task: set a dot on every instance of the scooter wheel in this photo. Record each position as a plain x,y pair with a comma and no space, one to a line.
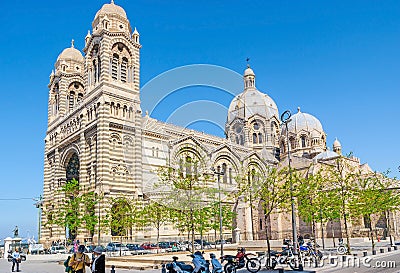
229,268
341,249
253,265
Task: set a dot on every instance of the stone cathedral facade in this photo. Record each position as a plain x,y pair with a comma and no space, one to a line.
98,134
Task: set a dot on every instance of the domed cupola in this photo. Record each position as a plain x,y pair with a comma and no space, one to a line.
337,147
253,117
306,136
251,101
111,17
70,60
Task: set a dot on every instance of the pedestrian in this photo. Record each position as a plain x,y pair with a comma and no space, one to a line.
16,259
99,262
79,260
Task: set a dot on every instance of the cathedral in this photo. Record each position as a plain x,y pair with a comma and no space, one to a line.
98,134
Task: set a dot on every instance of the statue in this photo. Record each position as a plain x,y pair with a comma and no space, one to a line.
15,231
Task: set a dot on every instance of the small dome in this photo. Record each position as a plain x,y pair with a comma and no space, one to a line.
111,9
306,122
336,144
71,53
248,72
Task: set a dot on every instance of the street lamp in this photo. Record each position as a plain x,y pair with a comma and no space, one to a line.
39,206
218,172
285,118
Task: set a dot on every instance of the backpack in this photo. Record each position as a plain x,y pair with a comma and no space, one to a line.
67,267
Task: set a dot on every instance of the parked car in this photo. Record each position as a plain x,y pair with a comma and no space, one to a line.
206,245
58,249
149,246
36,249
136,249
116,246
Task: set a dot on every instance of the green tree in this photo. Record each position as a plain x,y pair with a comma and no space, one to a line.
272,190
315,198
156,215
373,197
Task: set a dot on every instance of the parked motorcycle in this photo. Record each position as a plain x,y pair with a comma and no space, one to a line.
200,265
216,265
236,262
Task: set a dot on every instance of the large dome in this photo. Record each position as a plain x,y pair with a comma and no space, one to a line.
71,53
111,9
251,101
304,122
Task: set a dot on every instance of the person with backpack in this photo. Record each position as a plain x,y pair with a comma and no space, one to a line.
68,269
79,260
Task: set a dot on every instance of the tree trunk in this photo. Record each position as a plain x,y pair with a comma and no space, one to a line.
158,237
371,232
389,227
347,233
268,242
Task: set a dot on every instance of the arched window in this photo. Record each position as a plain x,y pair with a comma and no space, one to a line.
188,165
114,66
124,68
241,140
72,168
292,143
237,139
98,68
71,100
303,142
260,138
254,138
225,176
95,72
80,97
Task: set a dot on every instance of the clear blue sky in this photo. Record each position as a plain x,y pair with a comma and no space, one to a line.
338,60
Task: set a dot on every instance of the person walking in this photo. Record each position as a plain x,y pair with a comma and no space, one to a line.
99,262
79,260
16,259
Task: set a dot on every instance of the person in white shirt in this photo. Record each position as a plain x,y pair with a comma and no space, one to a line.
16,259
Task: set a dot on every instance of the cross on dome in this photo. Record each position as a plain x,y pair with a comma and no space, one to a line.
72,43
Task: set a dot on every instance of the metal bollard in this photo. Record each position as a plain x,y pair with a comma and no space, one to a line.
355,254
395,247
332,260
381,250
281,270
374,252
389,248
365,254
112,269
344,258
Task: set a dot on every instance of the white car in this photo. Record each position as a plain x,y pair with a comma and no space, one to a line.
58,249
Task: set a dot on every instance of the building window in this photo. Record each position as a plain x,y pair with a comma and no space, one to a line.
303,141
124,68
71,100
225,176
254,138
114,67
260,138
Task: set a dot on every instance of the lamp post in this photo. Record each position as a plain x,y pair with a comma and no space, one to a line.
218,172
99,191
285,118
39,206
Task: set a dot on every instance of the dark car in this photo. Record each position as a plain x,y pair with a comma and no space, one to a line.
136,249
206,245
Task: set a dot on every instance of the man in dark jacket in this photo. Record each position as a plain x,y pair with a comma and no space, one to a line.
99,262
